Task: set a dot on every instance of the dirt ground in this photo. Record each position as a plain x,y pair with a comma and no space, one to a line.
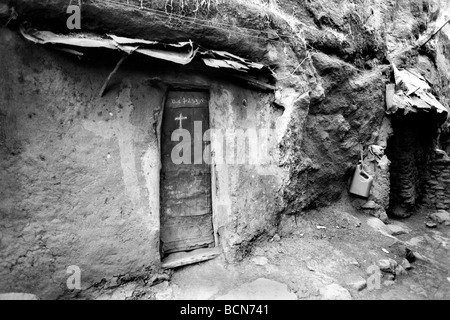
306,262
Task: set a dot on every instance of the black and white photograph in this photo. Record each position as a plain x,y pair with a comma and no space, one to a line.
224,154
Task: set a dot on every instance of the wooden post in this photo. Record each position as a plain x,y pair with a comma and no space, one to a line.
102,90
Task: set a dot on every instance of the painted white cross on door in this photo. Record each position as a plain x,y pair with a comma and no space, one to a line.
180,118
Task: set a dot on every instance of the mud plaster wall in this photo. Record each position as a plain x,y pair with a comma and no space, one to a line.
80,174
246,196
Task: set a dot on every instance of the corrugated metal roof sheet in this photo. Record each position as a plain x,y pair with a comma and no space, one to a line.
179,52
412,94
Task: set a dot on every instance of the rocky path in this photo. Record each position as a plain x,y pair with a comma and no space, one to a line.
333,253
307,261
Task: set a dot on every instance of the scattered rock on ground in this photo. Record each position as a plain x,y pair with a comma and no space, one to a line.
382,215
352,261
357,283
398,248
399,270
276,238
389,283
406,265
387,265
384,265
415,241
335,292
348,219
370,205
260,289
418,256
400,212
260,261
396,229
379,213
378,225
430,224
390,276
440,216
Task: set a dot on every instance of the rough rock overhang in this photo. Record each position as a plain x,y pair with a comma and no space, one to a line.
411,94
121,17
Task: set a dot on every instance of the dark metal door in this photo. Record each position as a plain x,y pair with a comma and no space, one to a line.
186,214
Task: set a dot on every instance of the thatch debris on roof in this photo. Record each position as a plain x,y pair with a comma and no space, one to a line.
411,94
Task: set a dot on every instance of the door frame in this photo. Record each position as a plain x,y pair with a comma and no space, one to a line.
188,87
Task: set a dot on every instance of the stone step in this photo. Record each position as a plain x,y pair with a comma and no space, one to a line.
179,259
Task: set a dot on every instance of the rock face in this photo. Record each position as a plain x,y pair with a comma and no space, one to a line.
79,176
351,111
